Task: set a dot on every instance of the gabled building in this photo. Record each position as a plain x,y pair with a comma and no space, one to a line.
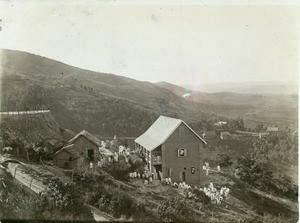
272,129
209,135
224,135
68,157
172,148
87,145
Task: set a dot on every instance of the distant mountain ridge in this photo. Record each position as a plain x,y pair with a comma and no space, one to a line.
262,88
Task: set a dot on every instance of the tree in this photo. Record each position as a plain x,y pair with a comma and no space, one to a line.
224,160
255,173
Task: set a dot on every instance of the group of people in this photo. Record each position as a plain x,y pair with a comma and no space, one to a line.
215,195
125,151
146,176
207,168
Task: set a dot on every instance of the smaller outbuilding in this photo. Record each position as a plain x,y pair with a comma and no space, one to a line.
67,157
224,135
87,145
272,129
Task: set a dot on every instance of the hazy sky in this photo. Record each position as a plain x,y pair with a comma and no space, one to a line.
182,44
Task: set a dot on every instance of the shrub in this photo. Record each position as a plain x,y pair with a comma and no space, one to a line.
119,170
201,197
224,160
63,201
175,209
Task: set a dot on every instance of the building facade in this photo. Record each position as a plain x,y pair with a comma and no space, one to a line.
67,157
173,149
87,145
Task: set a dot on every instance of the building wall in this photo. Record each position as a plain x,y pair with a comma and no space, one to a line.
62,159
194,158
83,145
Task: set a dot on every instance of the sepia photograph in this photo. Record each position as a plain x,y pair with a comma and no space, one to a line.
149,111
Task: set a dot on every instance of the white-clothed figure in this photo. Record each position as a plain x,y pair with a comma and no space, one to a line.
236,173
91,165
208,193
116,157
218,198
207,171
127,151
219,168
226,192
221,190
206,165
214,190
121,149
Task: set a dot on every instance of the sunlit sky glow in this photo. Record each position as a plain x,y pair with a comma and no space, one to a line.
182,44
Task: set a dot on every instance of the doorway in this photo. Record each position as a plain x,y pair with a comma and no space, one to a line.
91,154
157,170
183,176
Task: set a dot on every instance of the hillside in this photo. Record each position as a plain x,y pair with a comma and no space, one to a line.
34,126
132,199
107,104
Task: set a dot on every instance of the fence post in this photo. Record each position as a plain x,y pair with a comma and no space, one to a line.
30,182
15,172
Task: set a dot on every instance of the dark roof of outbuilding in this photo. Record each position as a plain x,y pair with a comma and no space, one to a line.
88,136
69,149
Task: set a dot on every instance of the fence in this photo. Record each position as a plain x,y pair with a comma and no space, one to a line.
27,180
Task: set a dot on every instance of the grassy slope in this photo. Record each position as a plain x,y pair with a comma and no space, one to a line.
244,203
105,104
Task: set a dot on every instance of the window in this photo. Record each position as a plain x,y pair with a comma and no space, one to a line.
182,152
192,170
170,172
181,131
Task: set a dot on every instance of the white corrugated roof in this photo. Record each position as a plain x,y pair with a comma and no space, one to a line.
272,129
160,131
